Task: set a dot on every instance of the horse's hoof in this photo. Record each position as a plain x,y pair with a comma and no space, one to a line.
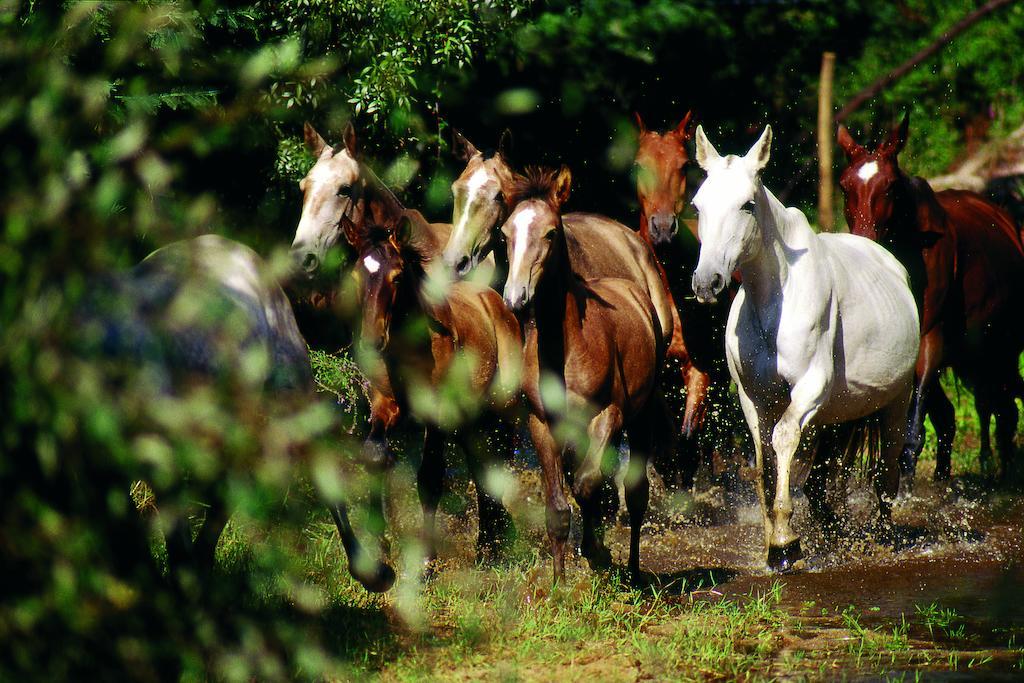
378,581
599,558
786,558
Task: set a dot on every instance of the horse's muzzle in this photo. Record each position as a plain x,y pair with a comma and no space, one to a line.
707,287
662,228
516,298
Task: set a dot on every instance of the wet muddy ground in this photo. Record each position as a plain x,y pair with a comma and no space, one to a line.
944,600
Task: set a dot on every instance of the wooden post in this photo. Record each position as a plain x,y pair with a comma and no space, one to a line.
826,215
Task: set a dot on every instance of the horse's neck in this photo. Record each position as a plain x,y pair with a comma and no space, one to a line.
554,310
766,273
382,204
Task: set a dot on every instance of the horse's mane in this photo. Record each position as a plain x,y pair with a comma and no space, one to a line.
535,182
382,190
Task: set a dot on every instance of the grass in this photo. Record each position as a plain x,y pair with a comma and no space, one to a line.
511,623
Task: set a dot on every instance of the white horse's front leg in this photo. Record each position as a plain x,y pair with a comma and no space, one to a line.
806,398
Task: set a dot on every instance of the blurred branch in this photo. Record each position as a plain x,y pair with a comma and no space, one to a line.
888,79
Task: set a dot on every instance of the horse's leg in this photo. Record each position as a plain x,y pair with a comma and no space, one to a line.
647,430
697,385
763,478
430,485
929,360
590,481
384,414
374,575
887,469
558,516
1006,427
826,460
495,526
940,412
805,398
984,409
680,455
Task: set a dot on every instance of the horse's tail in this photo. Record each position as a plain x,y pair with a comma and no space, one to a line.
857,444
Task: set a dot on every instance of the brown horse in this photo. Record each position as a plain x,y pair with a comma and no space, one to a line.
967,271
602,342
596,247
698,339
460,376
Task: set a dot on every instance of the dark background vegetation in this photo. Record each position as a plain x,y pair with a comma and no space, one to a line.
125,126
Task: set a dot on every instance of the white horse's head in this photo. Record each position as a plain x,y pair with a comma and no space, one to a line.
729,235
330,195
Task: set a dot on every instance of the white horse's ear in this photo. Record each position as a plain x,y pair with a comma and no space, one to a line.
706,152
314,143
758,155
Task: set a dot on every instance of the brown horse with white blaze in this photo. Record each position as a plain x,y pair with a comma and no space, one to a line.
601,342
472,345
596,246
966,265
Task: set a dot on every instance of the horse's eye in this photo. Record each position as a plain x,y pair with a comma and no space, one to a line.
748,207
549,235
345,191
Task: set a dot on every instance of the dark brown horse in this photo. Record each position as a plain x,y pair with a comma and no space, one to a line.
698,339
967,270
600,341
459,377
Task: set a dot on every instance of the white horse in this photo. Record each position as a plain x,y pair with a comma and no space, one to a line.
824,331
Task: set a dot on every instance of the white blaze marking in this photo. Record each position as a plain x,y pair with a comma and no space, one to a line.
522,224
371,264
473,185
868,171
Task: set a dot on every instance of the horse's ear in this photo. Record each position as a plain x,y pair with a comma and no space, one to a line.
683,131
314,143
505,143
898,137
402,232
349,136
848,144
639,122
761,151
706,152
563,183
463,149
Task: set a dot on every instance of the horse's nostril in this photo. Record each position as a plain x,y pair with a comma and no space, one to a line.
310,263
463,265
717,283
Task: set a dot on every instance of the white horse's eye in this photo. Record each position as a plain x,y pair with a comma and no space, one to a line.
345,191
748,207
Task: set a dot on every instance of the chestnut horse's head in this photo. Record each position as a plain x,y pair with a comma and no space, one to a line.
661,179
533,231
479,206
870,182
380,271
